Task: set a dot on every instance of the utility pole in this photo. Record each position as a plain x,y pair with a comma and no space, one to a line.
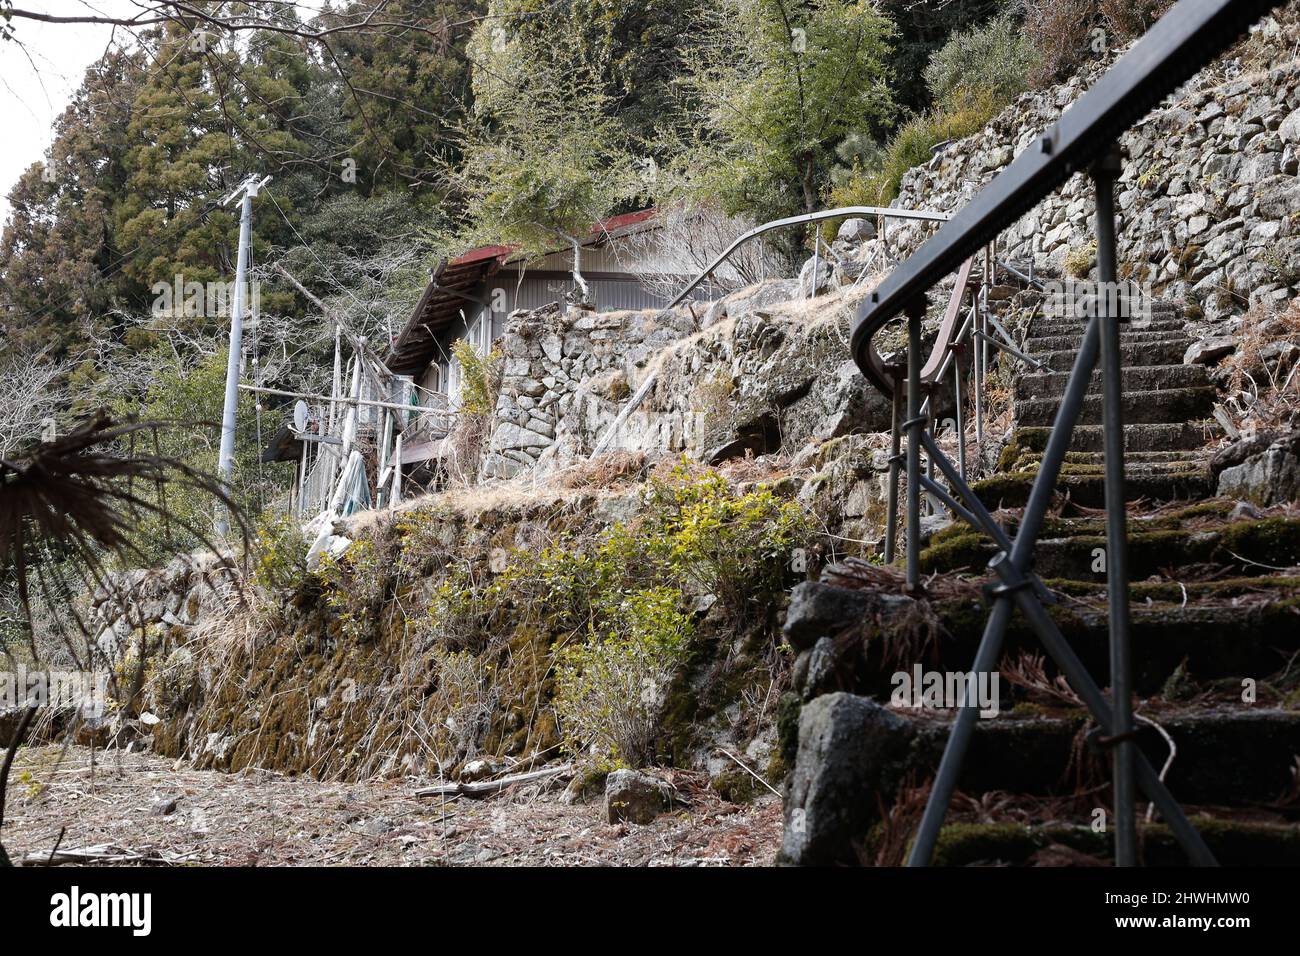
226,457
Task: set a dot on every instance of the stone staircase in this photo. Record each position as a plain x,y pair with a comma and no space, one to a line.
1165,404
1215,599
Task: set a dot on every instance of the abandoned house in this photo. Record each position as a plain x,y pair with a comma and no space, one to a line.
627,262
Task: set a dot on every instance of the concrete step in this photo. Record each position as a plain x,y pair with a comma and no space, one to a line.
1136,378
1157,323
1137,437
1012,491
1135,463
1131,353
1056,843
1131,457
1140,407
1037,345
1211,642
1236,756
1236,548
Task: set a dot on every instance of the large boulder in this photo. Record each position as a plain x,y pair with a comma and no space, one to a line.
856,230
851,751
1269,476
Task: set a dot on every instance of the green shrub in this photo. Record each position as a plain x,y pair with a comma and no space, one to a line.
613,612
479,378
994,59
279,556
610,692
356,583
727,544
912,146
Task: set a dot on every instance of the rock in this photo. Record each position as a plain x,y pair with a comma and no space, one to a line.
850,753
1290,128
164,806
1283,353
477,770
1270,477
1209,351
1243,511
819,671
932,524
635,797
809,283
1239,451
760,296
856,230
820,610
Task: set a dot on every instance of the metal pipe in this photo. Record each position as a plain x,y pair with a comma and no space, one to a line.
948,501
977,378
347,400
961,420
1059,648
1104,173
914,425
954,753
1010,350
895,451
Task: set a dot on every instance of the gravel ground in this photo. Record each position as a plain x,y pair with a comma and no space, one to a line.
142,809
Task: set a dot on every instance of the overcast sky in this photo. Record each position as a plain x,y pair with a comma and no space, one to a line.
34,88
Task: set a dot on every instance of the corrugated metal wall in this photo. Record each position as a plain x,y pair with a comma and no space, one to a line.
508,293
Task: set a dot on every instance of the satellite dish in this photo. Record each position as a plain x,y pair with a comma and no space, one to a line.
300,416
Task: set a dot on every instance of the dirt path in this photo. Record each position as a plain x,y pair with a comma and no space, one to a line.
257,818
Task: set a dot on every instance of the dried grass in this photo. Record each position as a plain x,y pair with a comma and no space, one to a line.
1269,390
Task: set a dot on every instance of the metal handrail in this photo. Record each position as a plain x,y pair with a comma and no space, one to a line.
842,212
1187,37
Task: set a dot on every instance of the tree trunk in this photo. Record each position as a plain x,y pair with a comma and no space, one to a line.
577,268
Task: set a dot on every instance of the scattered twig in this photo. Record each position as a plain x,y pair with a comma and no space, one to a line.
486,787
741,763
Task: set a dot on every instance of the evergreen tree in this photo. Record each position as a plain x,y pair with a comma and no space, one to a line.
58,257
780,85
400,91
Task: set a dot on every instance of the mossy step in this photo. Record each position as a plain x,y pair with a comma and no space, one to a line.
1159,322
1240,545
1138,436
1131,353
1133,465
1196,645
1233,842
1039,344
1012,490
1169,405
1134,378
1243,756
1134,457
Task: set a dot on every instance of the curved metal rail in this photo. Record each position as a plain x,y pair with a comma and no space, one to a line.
842,212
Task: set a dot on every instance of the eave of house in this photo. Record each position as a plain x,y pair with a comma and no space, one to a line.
455,283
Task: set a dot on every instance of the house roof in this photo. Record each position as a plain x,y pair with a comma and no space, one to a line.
453,284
